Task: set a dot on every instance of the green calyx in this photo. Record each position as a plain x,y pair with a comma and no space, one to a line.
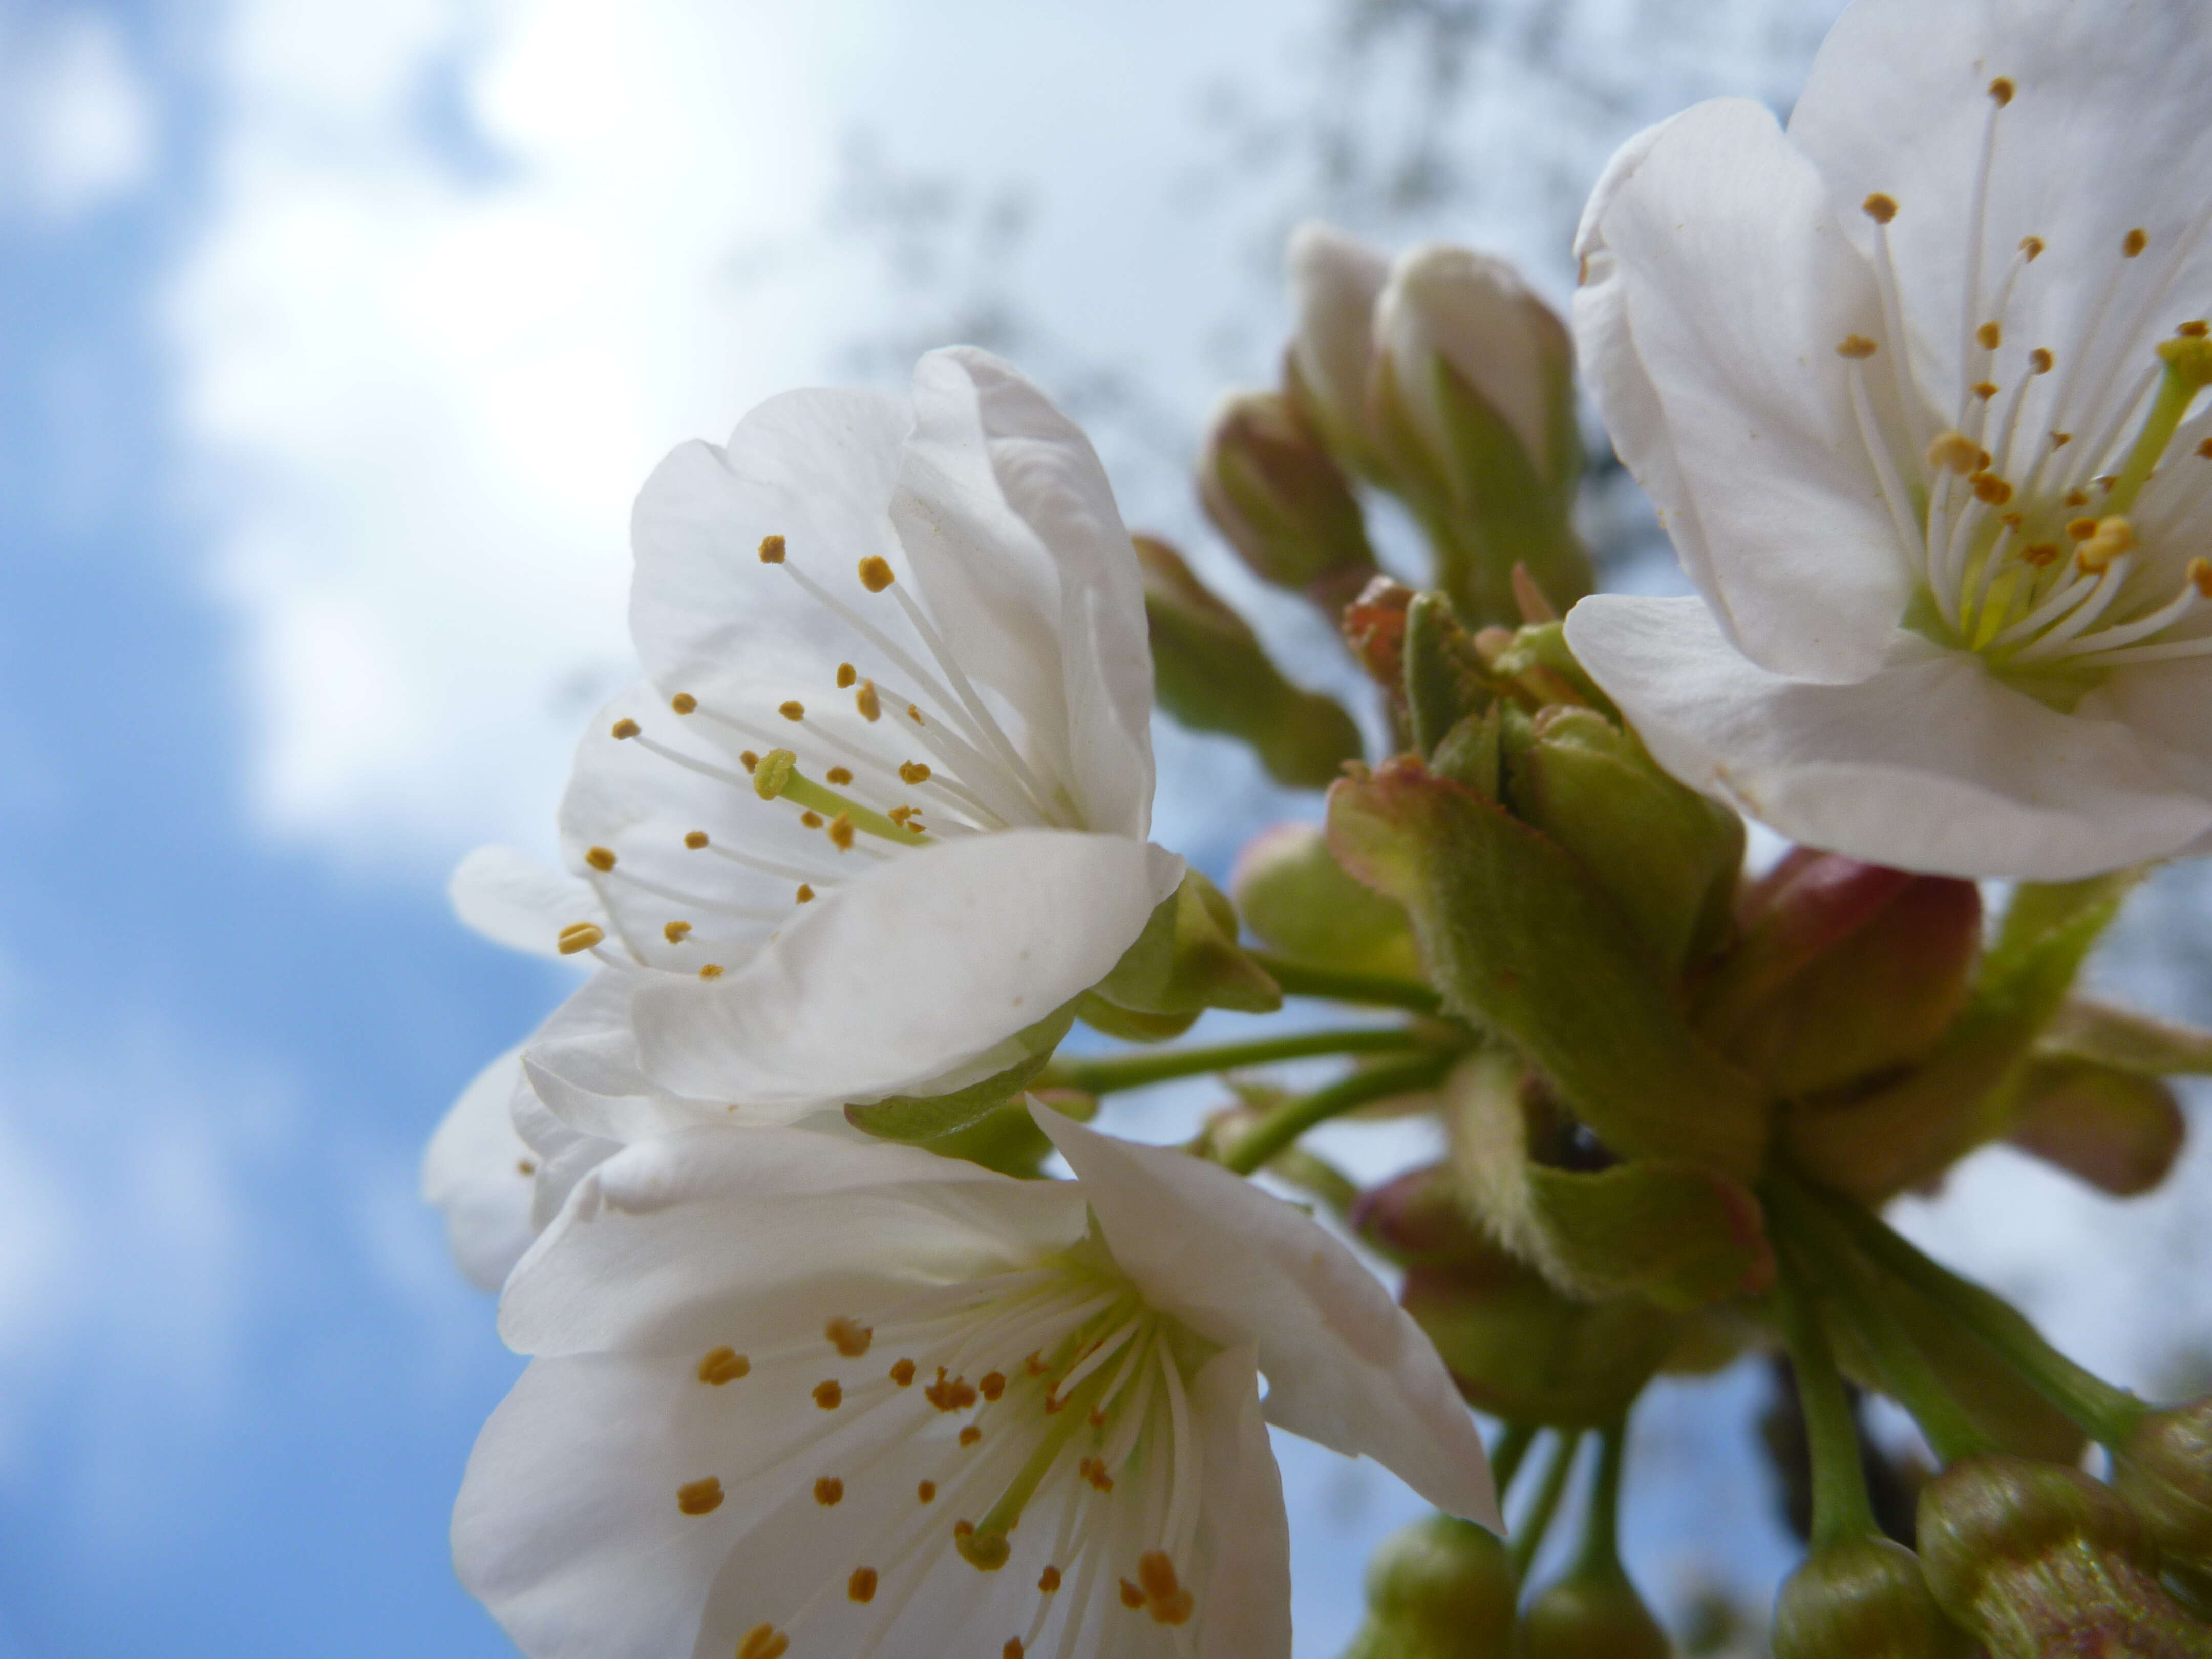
1186,961
1864,1598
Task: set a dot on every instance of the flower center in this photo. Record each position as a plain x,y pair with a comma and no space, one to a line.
2021,500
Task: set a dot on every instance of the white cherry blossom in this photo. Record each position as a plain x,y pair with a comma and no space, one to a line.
1913,386
793,1396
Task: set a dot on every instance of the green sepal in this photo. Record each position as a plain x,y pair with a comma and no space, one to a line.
1473,751
1537,656
1186,961
2120,1131
1520,940
930,1118
1443,676
1006,1138
1129,1025
2127,1041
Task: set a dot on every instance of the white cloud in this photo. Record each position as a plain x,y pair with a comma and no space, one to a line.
77,123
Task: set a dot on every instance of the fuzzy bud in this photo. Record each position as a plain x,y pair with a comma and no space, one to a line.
1437,1589
1862,1599
1269,484
2164,1470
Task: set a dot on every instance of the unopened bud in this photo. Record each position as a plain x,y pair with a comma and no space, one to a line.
2037,1558
1437,1589
1186,960
1592,1614
1212,673
2164,1470
1270,486
1294,895
1335,280
1374,626
1862,1599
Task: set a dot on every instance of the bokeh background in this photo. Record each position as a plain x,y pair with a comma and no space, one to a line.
334,338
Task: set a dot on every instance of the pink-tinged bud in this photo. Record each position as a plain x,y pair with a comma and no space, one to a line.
1374,626
1335,280
2037,1559
1296,898
2164,1470
1270,488
1843,970
1862,1599
1437,1589
1591,1615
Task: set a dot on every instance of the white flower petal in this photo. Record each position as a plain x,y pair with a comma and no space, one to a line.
564,1155
1245,1611
513,900
583,1064
1929,765
902,975
1345,1365
480,1173
1335,281
1735,284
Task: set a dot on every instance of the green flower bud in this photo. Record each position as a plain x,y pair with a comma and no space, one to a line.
1296,897
1335,280
1272,490
1186,961
2164,1470
1864,1599
1592,1614
1212,673
1441,1589
2036,1559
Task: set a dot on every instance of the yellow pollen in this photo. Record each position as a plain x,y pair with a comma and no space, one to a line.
1131,1597
964,1528
621,729
1986,390
953,1394
867,702
683,703
700,1496
848,1336
695,839
675,931
2200,577
1098,1420
1954,451
810,818
1012,1649
970,1435
805,894
601,859
2114,536
580,936
1857,347
2001,89
875,573
861,1586
2137,240
828,1491
1879,208
902,1373
1049,1580
2082,529
2205,449
914,713
845,675
793,710
2060,440
2013,521
525,1166
723,1366
841,833
926,1491
710,970
1992,489
829,1395
2031,246
749,760
764,1641
1034,1364
912,772
1991,335
771,550
2039,362
2039,554
839,776
2196,330
1170,1603
993,1385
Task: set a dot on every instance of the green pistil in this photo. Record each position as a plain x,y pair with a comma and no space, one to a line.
778,776
2188,361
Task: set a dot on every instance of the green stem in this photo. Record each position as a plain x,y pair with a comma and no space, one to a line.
1135,1071
1530,1538
1507,1457
1272,1133
1600,1551
1842,1509
1824,1253
1304,979
2104,1413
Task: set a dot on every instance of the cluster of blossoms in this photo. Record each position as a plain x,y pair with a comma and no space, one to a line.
849,1337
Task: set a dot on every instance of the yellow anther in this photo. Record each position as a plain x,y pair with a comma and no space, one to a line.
805,894
2001,89
1857,347
1049,1580
986,1552
772,773
1012,1649
621,729
1170,1603
710,970
2134,242
875,573
1034,1364
723,1366
839,775
683,703
2205,449
845,675
829,1395
1992,489
580,936
1098,1420
771,550
1986,390
1990,335
527,1166
793,710
748,759
963,1529
601,859
2081,529
1131,1597
2060,440
926,1491
1954,451
864,700
700,1496
764,1641
848,1336
810,818
2040,555
841,833
695,839
994,1384
914,713
970,1435
1880,207
902,1372
2032,248
2040,362
2196,330
949,1394
2114,537
2200,577
912,772
675,931
828,1491
861,1586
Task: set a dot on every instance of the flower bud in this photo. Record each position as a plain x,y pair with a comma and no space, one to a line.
1186,961
2118,1130
1212,673
2036,1558
1862,1599
1437,1589
1335,280
1294,895
2164,1470
1592,1614
1270,486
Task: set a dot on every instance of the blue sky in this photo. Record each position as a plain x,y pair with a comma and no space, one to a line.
333,342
